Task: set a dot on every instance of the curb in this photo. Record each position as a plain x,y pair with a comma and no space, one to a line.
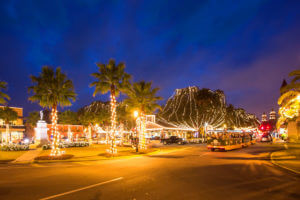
282,166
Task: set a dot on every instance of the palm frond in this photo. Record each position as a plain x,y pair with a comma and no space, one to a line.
3,96
52,88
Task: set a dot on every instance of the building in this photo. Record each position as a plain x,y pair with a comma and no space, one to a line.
67,131
293,130
16,128
268,125
264,117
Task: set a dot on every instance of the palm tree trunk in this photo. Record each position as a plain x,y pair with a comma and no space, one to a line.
113,102
7,133
142,138
55,151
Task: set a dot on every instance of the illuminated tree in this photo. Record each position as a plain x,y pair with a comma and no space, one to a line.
143,98
289,101
8,115
111,78
51,89
3,97
193,107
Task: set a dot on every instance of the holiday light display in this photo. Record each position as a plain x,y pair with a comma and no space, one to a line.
289,110
142,138
112,137
141,129
55,151
193,107
70,134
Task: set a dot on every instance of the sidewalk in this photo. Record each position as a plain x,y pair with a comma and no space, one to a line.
28,156
288,158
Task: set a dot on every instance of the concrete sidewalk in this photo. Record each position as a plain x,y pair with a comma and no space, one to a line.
288,158
28,156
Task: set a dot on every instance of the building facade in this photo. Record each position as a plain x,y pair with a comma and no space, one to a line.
16,128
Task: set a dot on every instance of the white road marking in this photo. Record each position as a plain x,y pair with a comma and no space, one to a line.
83,188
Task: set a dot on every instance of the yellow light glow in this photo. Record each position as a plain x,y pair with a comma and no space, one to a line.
112,138
135,114
55,151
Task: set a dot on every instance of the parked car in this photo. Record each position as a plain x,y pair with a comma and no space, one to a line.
173,140
266,138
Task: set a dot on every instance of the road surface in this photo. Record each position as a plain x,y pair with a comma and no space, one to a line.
189,173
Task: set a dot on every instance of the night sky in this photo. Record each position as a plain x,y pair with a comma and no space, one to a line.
245,48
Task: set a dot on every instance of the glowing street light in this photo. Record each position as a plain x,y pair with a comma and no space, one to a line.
136,114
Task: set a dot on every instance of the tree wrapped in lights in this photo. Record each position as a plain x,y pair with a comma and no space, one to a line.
142,97
194,107
52,89
113,78
289,101
289,106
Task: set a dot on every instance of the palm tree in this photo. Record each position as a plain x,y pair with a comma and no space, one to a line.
290,99
294,84
289,103
3,97
8,115
51,89
142,96
111,78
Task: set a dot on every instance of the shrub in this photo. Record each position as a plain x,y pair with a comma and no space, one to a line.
14,147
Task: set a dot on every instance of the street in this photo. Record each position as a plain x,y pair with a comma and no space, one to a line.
192,172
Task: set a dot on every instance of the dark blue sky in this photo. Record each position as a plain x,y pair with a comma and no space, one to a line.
245,47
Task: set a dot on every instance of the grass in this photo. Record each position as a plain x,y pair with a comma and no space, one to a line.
89,152
98,152
6,156
94,152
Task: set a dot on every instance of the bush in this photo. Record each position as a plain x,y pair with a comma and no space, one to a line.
46,146
14,147
67,145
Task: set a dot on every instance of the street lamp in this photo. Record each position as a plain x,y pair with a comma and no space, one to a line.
136,114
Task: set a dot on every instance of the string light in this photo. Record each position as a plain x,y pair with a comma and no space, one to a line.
142,138
290,110
112,138
55,151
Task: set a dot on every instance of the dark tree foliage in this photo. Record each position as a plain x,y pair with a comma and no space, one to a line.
33,118
99,112
68,117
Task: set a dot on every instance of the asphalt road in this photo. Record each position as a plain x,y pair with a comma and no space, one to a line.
190,173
